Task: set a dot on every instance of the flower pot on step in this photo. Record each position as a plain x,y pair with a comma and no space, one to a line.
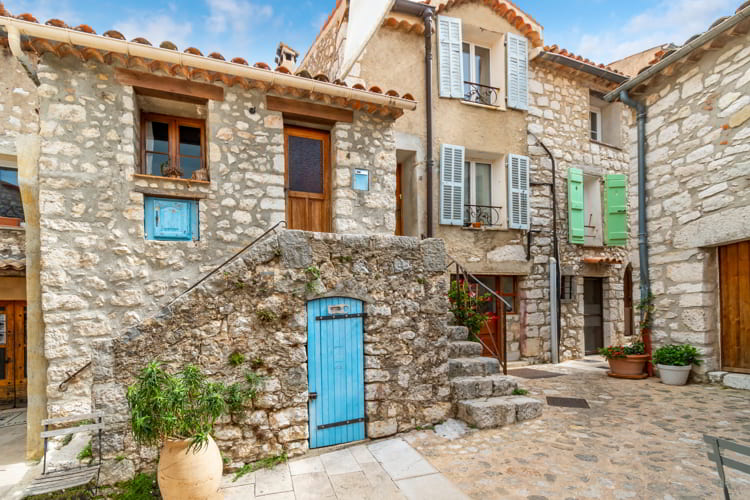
632,364
188,474
674,375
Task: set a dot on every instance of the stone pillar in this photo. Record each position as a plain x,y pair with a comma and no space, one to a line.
27,148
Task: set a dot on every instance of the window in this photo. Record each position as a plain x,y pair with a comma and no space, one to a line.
508,289
568,289
478,194
11,206
595,119
604,120
172,146
597,212
171,219
476,70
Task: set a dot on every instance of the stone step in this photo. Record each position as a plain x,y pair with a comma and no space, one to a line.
457,332
463,388
472,367
487,413
464,349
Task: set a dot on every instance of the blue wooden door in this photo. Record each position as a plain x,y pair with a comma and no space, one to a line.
335,371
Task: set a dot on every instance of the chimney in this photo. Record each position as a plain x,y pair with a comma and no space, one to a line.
286,57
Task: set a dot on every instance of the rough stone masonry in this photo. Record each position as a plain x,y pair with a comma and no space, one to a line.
256,305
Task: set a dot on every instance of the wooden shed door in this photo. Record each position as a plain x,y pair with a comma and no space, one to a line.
734,264
593,324
308,179
12,354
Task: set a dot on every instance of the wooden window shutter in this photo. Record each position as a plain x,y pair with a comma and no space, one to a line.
171,219
615,211
451,185
450,68
575,206
518,195
518,69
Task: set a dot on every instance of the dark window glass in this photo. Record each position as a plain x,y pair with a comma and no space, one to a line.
157,137
190,141
305,164
189,165
156,164
10,195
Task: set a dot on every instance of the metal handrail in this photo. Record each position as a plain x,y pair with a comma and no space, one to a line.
501,353
230,259
483,94
488,215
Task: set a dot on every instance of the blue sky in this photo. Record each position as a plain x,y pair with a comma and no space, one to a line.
602,30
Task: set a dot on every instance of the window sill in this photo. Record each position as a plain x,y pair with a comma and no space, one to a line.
12,228
611,146
480,105
169,179
483,228
171,187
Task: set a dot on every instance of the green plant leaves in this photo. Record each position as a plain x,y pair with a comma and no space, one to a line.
677,355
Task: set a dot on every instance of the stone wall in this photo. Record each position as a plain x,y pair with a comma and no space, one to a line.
559,117
405,356
324,56
698,181
99,274
12,243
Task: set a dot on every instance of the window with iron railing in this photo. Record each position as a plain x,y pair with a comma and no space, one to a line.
476,69
478,205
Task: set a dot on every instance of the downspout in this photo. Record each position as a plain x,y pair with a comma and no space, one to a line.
428,15
645,285
14,41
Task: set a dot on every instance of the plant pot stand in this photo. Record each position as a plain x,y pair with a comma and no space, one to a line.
634,377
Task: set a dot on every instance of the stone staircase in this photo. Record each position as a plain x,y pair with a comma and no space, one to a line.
483,395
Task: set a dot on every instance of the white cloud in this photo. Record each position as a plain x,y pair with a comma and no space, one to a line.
157,29
235,15
669,21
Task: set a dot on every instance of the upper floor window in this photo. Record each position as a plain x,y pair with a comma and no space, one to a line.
604,120
597,209
173,146
11,206
595,120
478,195
476,68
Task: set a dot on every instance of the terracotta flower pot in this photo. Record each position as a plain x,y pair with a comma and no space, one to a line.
631,364
189,475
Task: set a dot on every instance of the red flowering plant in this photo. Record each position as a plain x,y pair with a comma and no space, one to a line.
465,305
622,351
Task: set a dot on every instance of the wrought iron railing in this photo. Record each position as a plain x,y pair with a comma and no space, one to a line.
496,347
482,215
482,94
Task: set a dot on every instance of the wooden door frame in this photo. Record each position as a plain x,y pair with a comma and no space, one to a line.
627,282
325,137
722,304
14,343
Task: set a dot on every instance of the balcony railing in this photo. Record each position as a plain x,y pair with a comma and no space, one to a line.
482,215
481,94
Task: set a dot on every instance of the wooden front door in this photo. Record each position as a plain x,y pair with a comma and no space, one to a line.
734,265
12,353
399,202
307,179
593,321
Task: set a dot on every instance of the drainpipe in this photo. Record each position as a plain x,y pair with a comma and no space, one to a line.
14,41
428,14
645,286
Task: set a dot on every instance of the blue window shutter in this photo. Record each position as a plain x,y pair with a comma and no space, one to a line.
171,219
451,185
450,67
576,229
518,192
518,72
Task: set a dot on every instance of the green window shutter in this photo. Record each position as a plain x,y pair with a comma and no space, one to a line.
615,210
575,206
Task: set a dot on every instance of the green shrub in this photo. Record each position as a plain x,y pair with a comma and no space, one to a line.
184,405
520,392
464,305
677,355
266,463
620,351
236,358
86,453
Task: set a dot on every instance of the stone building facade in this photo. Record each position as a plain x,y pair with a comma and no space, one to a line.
697,192
405,343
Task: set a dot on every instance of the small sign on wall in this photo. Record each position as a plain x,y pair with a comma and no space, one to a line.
361,180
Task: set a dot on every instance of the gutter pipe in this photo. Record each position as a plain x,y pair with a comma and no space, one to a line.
133,49
427,13
14,41
680,53
645,284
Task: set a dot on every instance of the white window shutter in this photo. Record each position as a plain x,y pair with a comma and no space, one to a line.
518,192
518,72
450,67
451,185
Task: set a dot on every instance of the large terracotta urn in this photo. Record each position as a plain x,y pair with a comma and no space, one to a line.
632,364
190,475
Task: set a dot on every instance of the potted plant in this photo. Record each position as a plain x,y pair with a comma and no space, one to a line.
177,412
626,360
675,362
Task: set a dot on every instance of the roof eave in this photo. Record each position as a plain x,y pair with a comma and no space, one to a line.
681,53
583,67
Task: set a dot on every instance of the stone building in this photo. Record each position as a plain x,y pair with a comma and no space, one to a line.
696,102
156,187
482,184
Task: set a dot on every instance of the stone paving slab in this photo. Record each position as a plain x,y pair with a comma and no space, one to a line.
400,460
431,487
313,486
276,480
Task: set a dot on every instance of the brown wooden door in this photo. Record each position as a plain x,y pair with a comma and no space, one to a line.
12,353
307,179
627,284
734,265
399,203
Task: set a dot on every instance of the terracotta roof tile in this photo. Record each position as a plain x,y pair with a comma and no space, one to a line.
506,9
41,46
554,49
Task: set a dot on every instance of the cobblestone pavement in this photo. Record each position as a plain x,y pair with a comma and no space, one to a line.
639,439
